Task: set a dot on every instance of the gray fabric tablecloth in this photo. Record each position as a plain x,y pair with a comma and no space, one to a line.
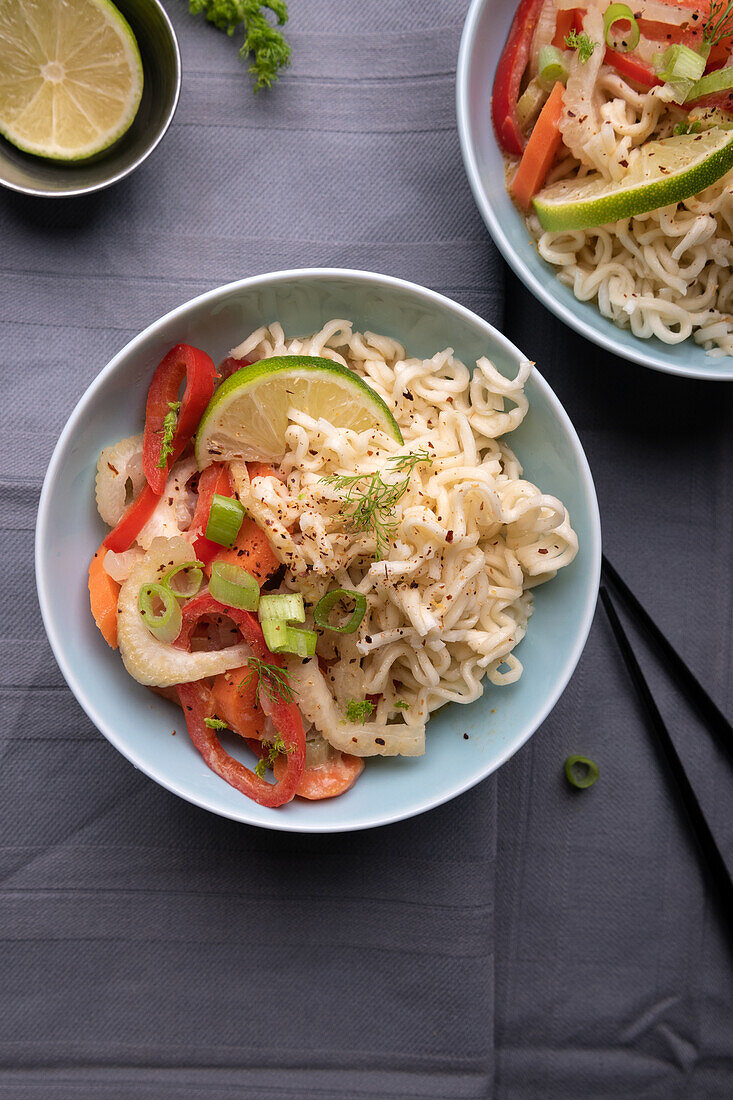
521,942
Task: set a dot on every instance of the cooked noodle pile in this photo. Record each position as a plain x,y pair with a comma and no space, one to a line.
450,599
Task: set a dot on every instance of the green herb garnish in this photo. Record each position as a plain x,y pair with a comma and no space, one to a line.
169,430
274,749
358,710
719,23
215,724
581,42
369,501
263,43
271,679
402,705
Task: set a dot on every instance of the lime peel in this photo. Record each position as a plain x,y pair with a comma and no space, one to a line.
248,415
665,172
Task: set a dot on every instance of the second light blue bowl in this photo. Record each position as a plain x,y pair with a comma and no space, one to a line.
484,35
139,723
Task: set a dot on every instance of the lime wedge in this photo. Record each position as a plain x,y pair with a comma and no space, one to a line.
71,77
248,415
666,171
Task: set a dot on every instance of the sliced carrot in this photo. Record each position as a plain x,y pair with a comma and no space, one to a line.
235,702
103,595
252,550
328,780
541,150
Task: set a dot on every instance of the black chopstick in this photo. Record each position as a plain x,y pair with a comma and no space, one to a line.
721,878
714,719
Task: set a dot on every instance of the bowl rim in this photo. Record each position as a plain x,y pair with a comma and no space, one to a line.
646,354
100,185
592,547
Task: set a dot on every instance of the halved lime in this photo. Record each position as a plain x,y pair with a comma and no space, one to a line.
248,415
71,77
665,172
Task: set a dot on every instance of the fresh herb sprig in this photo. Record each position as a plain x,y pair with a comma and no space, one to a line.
402,705
215,724
719,23
263,42
369,501
687,127
358,710
581,42
273,680
169,430
273,750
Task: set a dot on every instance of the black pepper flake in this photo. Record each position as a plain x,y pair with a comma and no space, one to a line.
378,740
449,536
465,737
368,638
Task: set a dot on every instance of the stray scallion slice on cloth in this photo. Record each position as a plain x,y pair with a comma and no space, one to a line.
581,772
263,43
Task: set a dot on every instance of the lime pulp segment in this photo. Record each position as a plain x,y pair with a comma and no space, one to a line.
248,415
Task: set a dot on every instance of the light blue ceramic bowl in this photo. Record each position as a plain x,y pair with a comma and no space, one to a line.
139,724
484,35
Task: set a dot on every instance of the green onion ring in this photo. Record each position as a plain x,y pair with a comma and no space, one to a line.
618,13
284,607
326,604
581,772
225,519
165,625
281,638
234,586
193,574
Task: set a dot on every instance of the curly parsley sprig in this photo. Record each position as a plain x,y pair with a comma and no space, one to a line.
263,43
358,710
169,430
273,749
369,501
581,42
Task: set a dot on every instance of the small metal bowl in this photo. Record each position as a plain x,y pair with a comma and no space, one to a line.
162,84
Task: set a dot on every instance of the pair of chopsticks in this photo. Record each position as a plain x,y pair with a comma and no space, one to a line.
712,717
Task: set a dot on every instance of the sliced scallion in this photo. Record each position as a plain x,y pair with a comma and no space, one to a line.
552,66
327,603
581,772
680,68
285,607
225,519
234,586
160,611
530,103
184,580
620,13
281,638
719,81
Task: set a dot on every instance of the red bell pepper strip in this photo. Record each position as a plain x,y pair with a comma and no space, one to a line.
197,700
182,361
134,519
632,68
214,480
229,366
509,73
